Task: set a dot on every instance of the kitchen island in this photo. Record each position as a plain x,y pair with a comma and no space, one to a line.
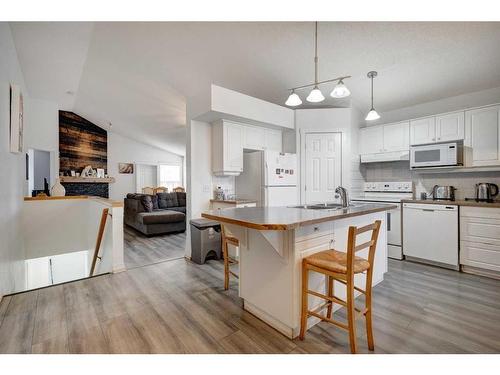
273,242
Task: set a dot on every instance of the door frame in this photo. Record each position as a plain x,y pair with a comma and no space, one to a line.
302,158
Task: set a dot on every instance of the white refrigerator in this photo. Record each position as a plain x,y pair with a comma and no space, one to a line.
269,177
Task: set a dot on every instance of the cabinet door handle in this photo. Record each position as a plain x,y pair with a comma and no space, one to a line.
388,221
316,229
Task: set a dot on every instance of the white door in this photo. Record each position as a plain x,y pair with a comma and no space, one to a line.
483,135
423,131
372,140
450,127
323,166
397,137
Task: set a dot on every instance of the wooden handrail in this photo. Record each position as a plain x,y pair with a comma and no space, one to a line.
102,225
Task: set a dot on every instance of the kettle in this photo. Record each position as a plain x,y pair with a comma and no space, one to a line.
486,191
443,192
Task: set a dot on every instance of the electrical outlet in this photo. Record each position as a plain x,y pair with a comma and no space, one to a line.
206,188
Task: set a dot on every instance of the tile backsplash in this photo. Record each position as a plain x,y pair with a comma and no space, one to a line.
227,184
424,182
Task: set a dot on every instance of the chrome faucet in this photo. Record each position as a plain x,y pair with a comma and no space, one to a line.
344,196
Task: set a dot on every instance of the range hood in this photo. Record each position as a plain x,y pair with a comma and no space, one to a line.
385,157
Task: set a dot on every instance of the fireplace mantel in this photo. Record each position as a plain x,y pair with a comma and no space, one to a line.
91,180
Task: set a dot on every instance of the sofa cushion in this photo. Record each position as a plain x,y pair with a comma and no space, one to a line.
154,199
147,203
178,209
167,200
181,199
160,217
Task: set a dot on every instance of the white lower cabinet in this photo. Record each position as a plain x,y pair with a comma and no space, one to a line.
480,237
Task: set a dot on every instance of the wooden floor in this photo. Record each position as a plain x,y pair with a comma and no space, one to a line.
180,307
140,250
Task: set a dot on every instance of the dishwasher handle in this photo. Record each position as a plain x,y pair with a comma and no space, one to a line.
428,210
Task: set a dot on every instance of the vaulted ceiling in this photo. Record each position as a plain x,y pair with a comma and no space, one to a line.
138,75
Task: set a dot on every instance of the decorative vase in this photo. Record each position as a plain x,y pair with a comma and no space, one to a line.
57,190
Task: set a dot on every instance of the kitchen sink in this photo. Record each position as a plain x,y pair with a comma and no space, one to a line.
325,206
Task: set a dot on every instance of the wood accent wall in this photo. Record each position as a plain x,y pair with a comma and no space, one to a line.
81,143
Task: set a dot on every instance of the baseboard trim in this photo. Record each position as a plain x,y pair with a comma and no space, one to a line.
481,272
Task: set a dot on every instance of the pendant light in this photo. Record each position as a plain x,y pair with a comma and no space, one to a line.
293,100
315,96
372,115
340,91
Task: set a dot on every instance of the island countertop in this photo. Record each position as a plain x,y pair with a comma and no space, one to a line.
285,218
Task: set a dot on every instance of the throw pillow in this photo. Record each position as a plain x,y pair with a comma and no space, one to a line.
147,203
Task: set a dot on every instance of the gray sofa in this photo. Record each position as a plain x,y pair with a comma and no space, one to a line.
156,214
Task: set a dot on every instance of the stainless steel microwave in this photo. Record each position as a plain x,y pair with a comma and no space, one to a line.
436,155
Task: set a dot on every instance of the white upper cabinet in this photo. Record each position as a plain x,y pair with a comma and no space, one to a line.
273,140
227,148
253,137
384,138
397,137
482,135
258,138
371,140
229,139
423,131
450,127
441,128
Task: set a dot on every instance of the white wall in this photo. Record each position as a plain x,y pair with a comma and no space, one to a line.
12,173
199,172
72,225
125,150
43,132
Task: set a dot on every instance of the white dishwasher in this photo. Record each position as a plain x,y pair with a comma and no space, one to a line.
430,234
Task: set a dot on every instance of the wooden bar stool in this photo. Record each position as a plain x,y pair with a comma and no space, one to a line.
342,267
228,238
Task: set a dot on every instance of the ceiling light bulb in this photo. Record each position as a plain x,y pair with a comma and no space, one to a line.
372,115
293,100
340,91
315,96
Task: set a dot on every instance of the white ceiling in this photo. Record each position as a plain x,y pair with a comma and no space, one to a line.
138,75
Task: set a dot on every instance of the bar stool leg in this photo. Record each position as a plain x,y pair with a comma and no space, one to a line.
330,294
225,252
368,315
305,286
350,315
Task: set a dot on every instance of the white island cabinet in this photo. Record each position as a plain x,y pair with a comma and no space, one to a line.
273,242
